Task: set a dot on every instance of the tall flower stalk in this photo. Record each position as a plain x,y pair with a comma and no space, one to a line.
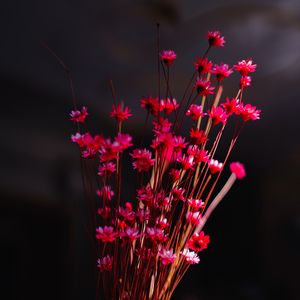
145,246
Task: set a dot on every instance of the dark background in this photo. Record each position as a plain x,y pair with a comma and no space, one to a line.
254,253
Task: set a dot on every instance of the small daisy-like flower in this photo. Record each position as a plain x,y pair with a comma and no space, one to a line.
126,214
166,256
79,116
130,234
193,217
178,143
106,168
105,192
168,57
198,137
142,160
119,113
162,223
123,141
186,162
215,166
156,234
198,242
168,105
200,155
106,234
245,67
245,81
151,105
191,257
249,112
177,193
105,263
196,204
203,65
203,87
217,115
238,170
221,71
231,106
174,174
195,112
215,39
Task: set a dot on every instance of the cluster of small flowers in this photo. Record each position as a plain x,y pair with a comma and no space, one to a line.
176,176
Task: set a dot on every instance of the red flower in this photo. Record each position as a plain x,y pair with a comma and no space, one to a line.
203,87
151,105
196,204
105,192
215,166
200,155
79,116
168,105
198,242
142,160
167,256
156,234
174,174
162,126
123,141
178,143
119,114
231,106
245,81
193,217
178,193
249,112
190,256
245,67
168,57
106,234
106,168
238,170
105,263
186,162
215,39
198,137
131,234
108,151
221,71
218,115
203,65
195,112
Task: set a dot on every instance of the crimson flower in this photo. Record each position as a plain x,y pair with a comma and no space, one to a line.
105,263
215,39
191,257
106,234
151,105
195,112
168,57
131,234
245,81
123,141
106,168
142,160
198,242
200,155
221,71
215,166
249,112
238,170
167,256
156,234
105,192
193,217
217,115
119,114
198,137
196,204
203,65
186,162
79,116
203,87
168,105
231,106
245,67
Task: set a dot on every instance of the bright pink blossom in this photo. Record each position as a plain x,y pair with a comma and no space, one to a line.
156,234
123,141
131,234
249,112
106,168
191,257
245,67
198,242
221,71
104,212
203,87
106,234
174,174
215,166
105,263
195,112
178,193
215,39
178,143
142,160
231,106
167,256
186,161
162,223
79,116
193,217
105,192
126,214
168,57
108,151
120,113
198,137
238,170
151,105
142,215
245,81
203,65
196,204
200,155
161,126
145,195
217,115
168,105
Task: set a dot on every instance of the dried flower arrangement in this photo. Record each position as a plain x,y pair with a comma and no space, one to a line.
145,246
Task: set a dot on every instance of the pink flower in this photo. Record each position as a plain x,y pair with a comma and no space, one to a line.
151,105
200,155
178,193
162,126
245,67
218,115
106,234
79,116
168,57
106,168
231,106
145,195
123,141
174,174
119,113
167,256
203,65
126,214
142,215
104,212
193,217
162,223
105,192
191,257
186,162
105,263
156,234
168,105
198,242
131,234
249,112
178,143
245,81
238,170
203,87
221,71
195,112
196,204
108,151
198,137
142,160
215,166
215,39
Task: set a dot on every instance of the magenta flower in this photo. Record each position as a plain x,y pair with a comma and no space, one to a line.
245,81
105,263
142,160
198,242
151,105
106,234
215,39
119,113
249,112
196,204
198,137
217,115
221,71
231,106
238,170
215,166
245,67
79,116
168,105
203,87
191,257
106,168
168,57
105,192
195,112
193,217
166,256
203,65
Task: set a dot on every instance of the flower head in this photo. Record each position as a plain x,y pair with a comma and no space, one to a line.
198,242
151,105
191,257
245,81
245,67
221,71
215,166
195,112
168,105
105,263
79,116
231,106
203,87
218,115
238,170
168,57
193,217
215,39
166,256
106,234
203,65
249,112
198,137
106,168
142,160
119,113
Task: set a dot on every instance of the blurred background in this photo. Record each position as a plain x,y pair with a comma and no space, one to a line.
255,232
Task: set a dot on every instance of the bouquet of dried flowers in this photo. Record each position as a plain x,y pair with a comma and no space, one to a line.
146,242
